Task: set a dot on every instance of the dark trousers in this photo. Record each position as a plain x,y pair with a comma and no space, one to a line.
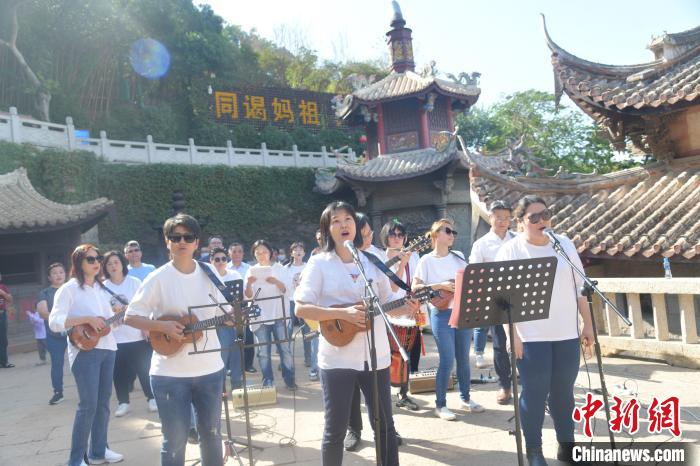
338,386
3,338
355,422
41,348
133,359
548,371
57,350
249,353
501,360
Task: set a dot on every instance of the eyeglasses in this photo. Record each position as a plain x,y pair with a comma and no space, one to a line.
397,234
450,231
219,259
133,250
93,259
178,238
545,215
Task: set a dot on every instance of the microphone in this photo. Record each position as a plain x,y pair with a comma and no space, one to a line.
549,232
350,246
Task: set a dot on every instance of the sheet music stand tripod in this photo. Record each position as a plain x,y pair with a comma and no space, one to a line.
507,292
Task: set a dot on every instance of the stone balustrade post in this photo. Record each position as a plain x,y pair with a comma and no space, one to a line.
70,134
15,126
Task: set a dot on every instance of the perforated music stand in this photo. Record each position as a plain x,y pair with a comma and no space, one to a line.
495,293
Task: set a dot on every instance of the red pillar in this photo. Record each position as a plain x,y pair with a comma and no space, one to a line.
380,130
424,129
450,117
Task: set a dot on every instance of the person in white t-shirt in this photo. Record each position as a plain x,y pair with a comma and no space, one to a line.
484,250
82,301
237,264
133,351
547,350
228,334
294,269
266,279
438,269
182,379
331,278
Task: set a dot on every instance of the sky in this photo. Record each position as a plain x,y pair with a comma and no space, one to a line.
501,39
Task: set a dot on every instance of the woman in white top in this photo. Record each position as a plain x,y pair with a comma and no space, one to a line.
331,278
438,269
133,351
547,350
227,333
80,301
269,278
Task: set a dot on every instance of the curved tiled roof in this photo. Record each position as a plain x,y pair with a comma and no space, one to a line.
642,212
23,209
648,88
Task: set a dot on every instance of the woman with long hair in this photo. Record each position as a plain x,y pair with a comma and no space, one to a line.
547,350
133,351
438,269
331,288
80,301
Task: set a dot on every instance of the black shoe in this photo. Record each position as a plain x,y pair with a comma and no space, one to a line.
406,402
399,440
565,453
251,370
7,365
352,440
56,398
193,436
535,457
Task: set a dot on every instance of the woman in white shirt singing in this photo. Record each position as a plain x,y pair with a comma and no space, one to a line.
83,301
331,278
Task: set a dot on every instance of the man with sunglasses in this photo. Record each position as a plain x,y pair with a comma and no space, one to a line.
182,379
484,250
138,269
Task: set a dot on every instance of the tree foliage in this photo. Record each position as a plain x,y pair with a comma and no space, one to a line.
559,137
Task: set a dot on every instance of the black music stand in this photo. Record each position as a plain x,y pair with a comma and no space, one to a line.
495,293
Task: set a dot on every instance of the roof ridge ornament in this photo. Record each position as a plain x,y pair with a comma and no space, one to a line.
397,20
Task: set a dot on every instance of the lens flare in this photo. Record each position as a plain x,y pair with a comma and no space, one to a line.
149,58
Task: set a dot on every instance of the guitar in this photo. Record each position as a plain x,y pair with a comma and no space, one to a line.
85,338
165,345
340,332
418,244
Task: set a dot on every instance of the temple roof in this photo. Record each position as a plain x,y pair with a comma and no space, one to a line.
655,87
639,213
390,167
407,84
24,210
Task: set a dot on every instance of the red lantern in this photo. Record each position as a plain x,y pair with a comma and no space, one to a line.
363,139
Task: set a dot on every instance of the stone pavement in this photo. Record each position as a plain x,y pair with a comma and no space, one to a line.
34,433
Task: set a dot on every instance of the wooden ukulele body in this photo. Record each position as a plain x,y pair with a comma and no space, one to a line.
163,344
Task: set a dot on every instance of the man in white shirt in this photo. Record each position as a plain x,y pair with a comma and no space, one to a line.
484,250
235,252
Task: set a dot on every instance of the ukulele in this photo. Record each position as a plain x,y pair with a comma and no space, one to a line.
442,299
165,345
340,332
85,338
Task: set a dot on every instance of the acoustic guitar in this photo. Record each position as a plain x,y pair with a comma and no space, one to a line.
85,338
165,345
340,332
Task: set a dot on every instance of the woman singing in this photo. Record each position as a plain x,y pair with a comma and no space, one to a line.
438,269
331,278
83,301
548,350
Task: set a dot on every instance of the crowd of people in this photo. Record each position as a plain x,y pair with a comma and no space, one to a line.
186,390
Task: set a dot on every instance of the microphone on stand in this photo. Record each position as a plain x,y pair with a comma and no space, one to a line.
555,241
350,246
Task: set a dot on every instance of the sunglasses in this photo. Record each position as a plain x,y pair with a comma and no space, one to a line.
397,234
178,238
545,215
219,259
450,231
93,259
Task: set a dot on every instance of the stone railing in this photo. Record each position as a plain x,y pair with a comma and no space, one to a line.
18,129
663,314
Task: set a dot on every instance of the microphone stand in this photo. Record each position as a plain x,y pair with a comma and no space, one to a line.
589,287
375,307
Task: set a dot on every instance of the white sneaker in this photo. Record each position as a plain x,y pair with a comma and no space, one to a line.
110,456
481,362
152,405
444,413
122,409
472,406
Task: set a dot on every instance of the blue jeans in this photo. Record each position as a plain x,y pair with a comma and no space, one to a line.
57,350
453,345
93,377
232,356
480,335
266,334
548,371
175,396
